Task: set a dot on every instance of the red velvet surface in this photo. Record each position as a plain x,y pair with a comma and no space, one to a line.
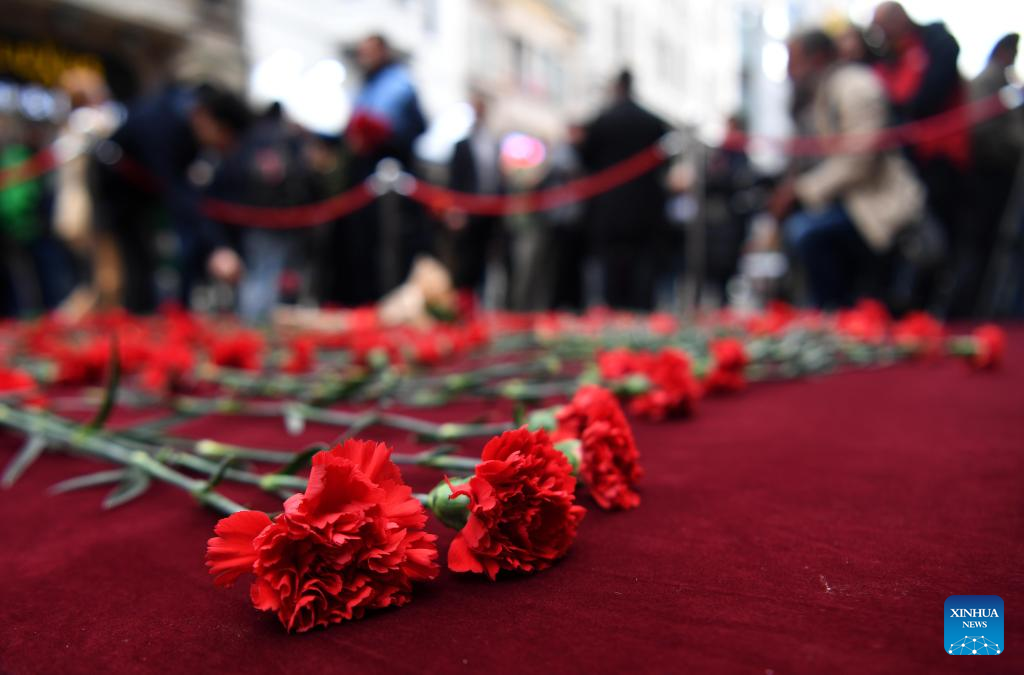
812,526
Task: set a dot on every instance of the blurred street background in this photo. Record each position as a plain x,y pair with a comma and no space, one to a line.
266,156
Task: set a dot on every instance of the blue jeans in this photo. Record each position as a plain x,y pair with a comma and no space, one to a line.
266,252
831,250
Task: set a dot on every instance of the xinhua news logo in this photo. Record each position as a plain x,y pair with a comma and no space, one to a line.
974,625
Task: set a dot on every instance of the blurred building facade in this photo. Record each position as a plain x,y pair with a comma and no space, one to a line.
544,63
684,54
522,53
136,45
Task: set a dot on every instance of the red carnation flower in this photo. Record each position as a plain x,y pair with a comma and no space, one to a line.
167,367
82,365
302,356
919,332
662,323
522,515
776,317
617,363
673,389
429,349
867,321
609,463
353,541
21,385
730,361
990,346
239,350
15,381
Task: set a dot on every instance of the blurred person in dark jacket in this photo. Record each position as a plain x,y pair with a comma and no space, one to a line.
626,222
565,222
271,171
918,65
998,146
729,203
998,142
386,120
328,160
148,166
475,168
842,212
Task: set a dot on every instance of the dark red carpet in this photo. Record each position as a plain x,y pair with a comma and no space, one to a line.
811,527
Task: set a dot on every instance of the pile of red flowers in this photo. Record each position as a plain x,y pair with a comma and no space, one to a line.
355,539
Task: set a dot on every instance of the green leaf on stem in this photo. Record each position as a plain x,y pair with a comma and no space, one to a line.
300,460
519,414
87,481
29,453
110,390
134,484
542,418
218,474
572,448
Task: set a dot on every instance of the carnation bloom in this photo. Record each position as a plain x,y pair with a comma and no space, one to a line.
353,541
609,462
617,363
673,389
240,350
167,365
990,345
302,356
13,380
82,365
867,321
920,333
730,360
522,516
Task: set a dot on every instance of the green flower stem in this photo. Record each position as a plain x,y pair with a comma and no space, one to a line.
422,497
520,390
962,346
438,458
210,448
262,480
101,447
447,431
462,464
226,405
460,381
154,427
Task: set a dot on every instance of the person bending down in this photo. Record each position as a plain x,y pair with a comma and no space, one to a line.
846,207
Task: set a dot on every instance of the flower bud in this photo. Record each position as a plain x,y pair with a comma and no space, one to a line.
572,448
210,448
452,512
542,418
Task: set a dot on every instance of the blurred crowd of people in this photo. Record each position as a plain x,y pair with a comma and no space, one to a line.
935,224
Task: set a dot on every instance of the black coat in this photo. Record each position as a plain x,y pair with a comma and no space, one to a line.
472,244
634,211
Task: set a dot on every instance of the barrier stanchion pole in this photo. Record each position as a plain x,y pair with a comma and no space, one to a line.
696,234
